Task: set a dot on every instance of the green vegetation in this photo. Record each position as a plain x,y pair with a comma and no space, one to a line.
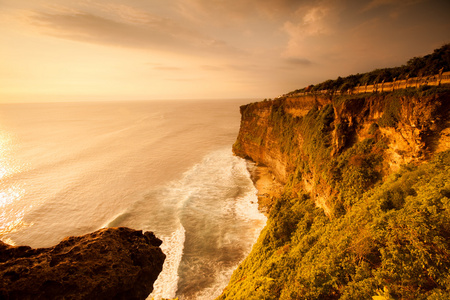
377,235
352,171
393,242
416,67
391,114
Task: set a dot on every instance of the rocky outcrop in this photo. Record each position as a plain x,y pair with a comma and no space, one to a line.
414,126
112,263
309,141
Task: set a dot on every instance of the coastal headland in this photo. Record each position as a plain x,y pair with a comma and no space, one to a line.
363,212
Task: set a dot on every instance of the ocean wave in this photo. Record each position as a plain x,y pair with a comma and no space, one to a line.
216,203
117,220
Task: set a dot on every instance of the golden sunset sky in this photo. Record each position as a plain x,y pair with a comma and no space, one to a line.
83,50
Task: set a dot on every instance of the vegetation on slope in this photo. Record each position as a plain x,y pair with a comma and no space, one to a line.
393,243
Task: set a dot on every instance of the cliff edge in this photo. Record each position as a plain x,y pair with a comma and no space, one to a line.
314,142
365,208
112,263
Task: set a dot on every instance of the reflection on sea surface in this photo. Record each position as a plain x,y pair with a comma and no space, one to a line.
11,192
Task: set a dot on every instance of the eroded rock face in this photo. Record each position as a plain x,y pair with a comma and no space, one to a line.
280,134
111,263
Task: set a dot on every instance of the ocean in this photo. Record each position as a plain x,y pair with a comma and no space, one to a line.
163,166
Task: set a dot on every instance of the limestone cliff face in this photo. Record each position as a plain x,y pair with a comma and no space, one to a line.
113,263
414,127
308,140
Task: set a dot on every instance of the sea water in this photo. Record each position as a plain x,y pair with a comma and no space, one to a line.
163,166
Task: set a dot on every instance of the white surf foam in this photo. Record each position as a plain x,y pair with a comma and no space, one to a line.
244,207
167,283
214,199
247,204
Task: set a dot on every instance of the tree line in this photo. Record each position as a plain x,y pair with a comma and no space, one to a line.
438,61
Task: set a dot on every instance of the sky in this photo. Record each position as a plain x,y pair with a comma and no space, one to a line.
86,50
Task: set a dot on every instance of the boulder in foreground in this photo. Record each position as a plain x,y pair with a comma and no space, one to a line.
111,263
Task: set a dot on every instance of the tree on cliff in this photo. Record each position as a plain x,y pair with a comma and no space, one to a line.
427,65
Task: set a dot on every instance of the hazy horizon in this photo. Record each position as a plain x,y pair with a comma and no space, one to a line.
74,99
196,49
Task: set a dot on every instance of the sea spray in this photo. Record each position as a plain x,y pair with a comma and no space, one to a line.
218,208
167,284
246,208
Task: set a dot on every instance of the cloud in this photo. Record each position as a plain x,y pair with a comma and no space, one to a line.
124,12
211,68
373,4
184,79
239,9
309,22
267,45
298,61
377,3
247,67
131,29
185,26
161,67
313,21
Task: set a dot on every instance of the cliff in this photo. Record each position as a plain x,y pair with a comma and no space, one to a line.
314,141
112,263
366,201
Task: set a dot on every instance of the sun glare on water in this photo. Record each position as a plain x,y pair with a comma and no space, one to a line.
10,221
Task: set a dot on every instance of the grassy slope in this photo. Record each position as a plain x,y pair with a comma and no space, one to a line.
394,243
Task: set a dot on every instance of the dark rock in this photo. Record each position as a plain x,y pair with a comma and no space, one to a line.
111,263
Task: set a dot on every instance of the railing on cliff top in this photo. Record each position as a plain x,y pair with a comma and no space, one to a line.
414,82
